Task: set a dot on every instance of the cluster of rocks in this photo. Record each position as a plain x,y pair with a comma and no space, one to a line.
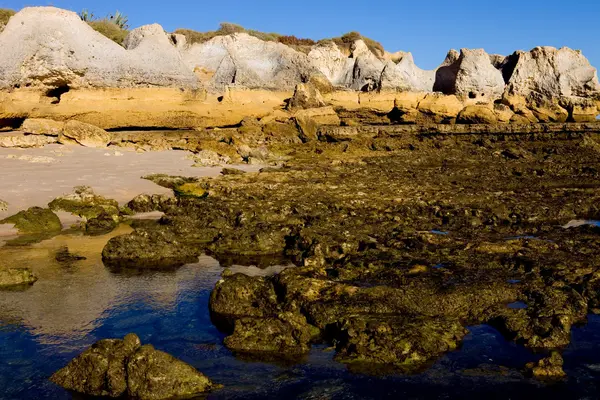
116,368
53,49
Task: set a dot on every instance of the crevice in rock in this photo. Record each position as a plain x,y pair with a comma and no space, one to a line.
57,92
11,123
508,66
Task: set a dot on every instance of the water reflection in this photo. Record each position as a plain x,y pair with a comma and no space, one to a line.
70,299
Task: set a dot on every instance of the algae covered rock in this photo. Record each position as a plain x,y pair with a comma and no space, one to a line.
85,203
155,375
114,368
547,369
84,134
13,277
35,220
406,343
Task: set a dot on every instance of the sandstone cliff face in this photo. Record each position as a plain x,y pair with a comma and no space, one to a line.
50,47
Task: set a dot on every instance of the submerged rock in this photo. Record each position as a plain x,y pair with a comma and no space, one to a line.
113,368
35,220
13,277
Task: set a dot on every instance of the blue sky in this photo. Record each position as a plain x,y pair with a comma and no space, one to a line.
427,28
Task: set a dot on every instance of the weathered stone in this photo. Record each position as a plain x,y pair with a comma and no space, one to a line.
309,121
477,114
100,370
84,134
3,205
57,50
406,76
35,220
548,369
476,77
243,60
440,108
503,112
40,126
306,96
16,277
25,141
553,73
113,368
84,203
155,375
147,203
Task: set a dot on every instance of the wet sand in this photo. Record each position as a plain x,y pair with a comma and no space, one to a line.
34,177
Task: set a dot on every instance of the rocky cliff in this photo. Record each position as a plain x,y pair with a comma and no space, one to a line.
53,50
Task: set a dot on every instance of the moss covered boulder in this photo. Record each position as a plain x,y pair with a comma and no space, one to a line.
115,368
12,277
86,204
35,220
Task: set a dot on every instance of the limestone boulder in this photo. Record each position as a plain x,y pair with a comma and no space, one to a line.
553,73
477,114
366,72
477,78
12,277
53,48
406,76
336,66
309,121
21,140
84,134
115,368
40,126
440,108
305,96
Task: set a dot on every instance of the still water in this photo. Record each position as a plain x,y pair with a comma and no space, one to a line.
75,304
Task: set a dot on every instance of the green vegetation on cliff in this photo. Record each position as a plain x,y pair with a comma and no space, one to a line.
5,15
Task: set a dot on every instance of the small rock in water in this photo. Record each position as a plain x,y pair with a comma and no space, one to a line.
64,256
16,277
232,171
35,220
3,205
114,367
548,368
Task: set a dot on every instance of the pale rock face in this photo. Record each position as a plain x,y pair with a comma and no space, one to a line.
246,61
50,47
406,76
366,73
84,134
476,77
469,74
553,73
332,63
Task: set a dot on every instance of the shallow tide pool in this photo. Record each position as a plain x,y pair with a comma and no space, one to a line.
73,305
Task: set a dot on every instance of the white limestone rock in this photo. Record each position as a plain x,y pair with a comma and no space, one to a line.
406,76
50,47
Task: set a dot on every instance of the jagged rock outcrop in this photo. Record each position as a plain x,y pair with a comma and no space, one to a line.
406,76
305,96
554,84
472,75
359,70
246,61
54,48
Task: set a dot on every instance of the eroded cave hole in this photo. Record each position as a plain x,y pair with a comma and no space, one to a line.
57,92
472,95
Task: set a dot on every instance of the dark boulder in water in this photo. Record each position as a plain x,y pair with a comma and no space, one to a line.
114,368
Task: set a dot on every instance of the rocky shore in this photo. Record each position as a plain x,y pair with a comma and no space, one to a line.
412,204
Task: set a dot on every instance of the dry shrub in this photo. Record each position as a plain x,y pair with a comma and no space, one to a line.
5,15
110,30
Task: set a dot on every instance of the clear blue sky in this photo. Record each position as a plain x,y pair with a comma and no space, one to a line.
427,28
